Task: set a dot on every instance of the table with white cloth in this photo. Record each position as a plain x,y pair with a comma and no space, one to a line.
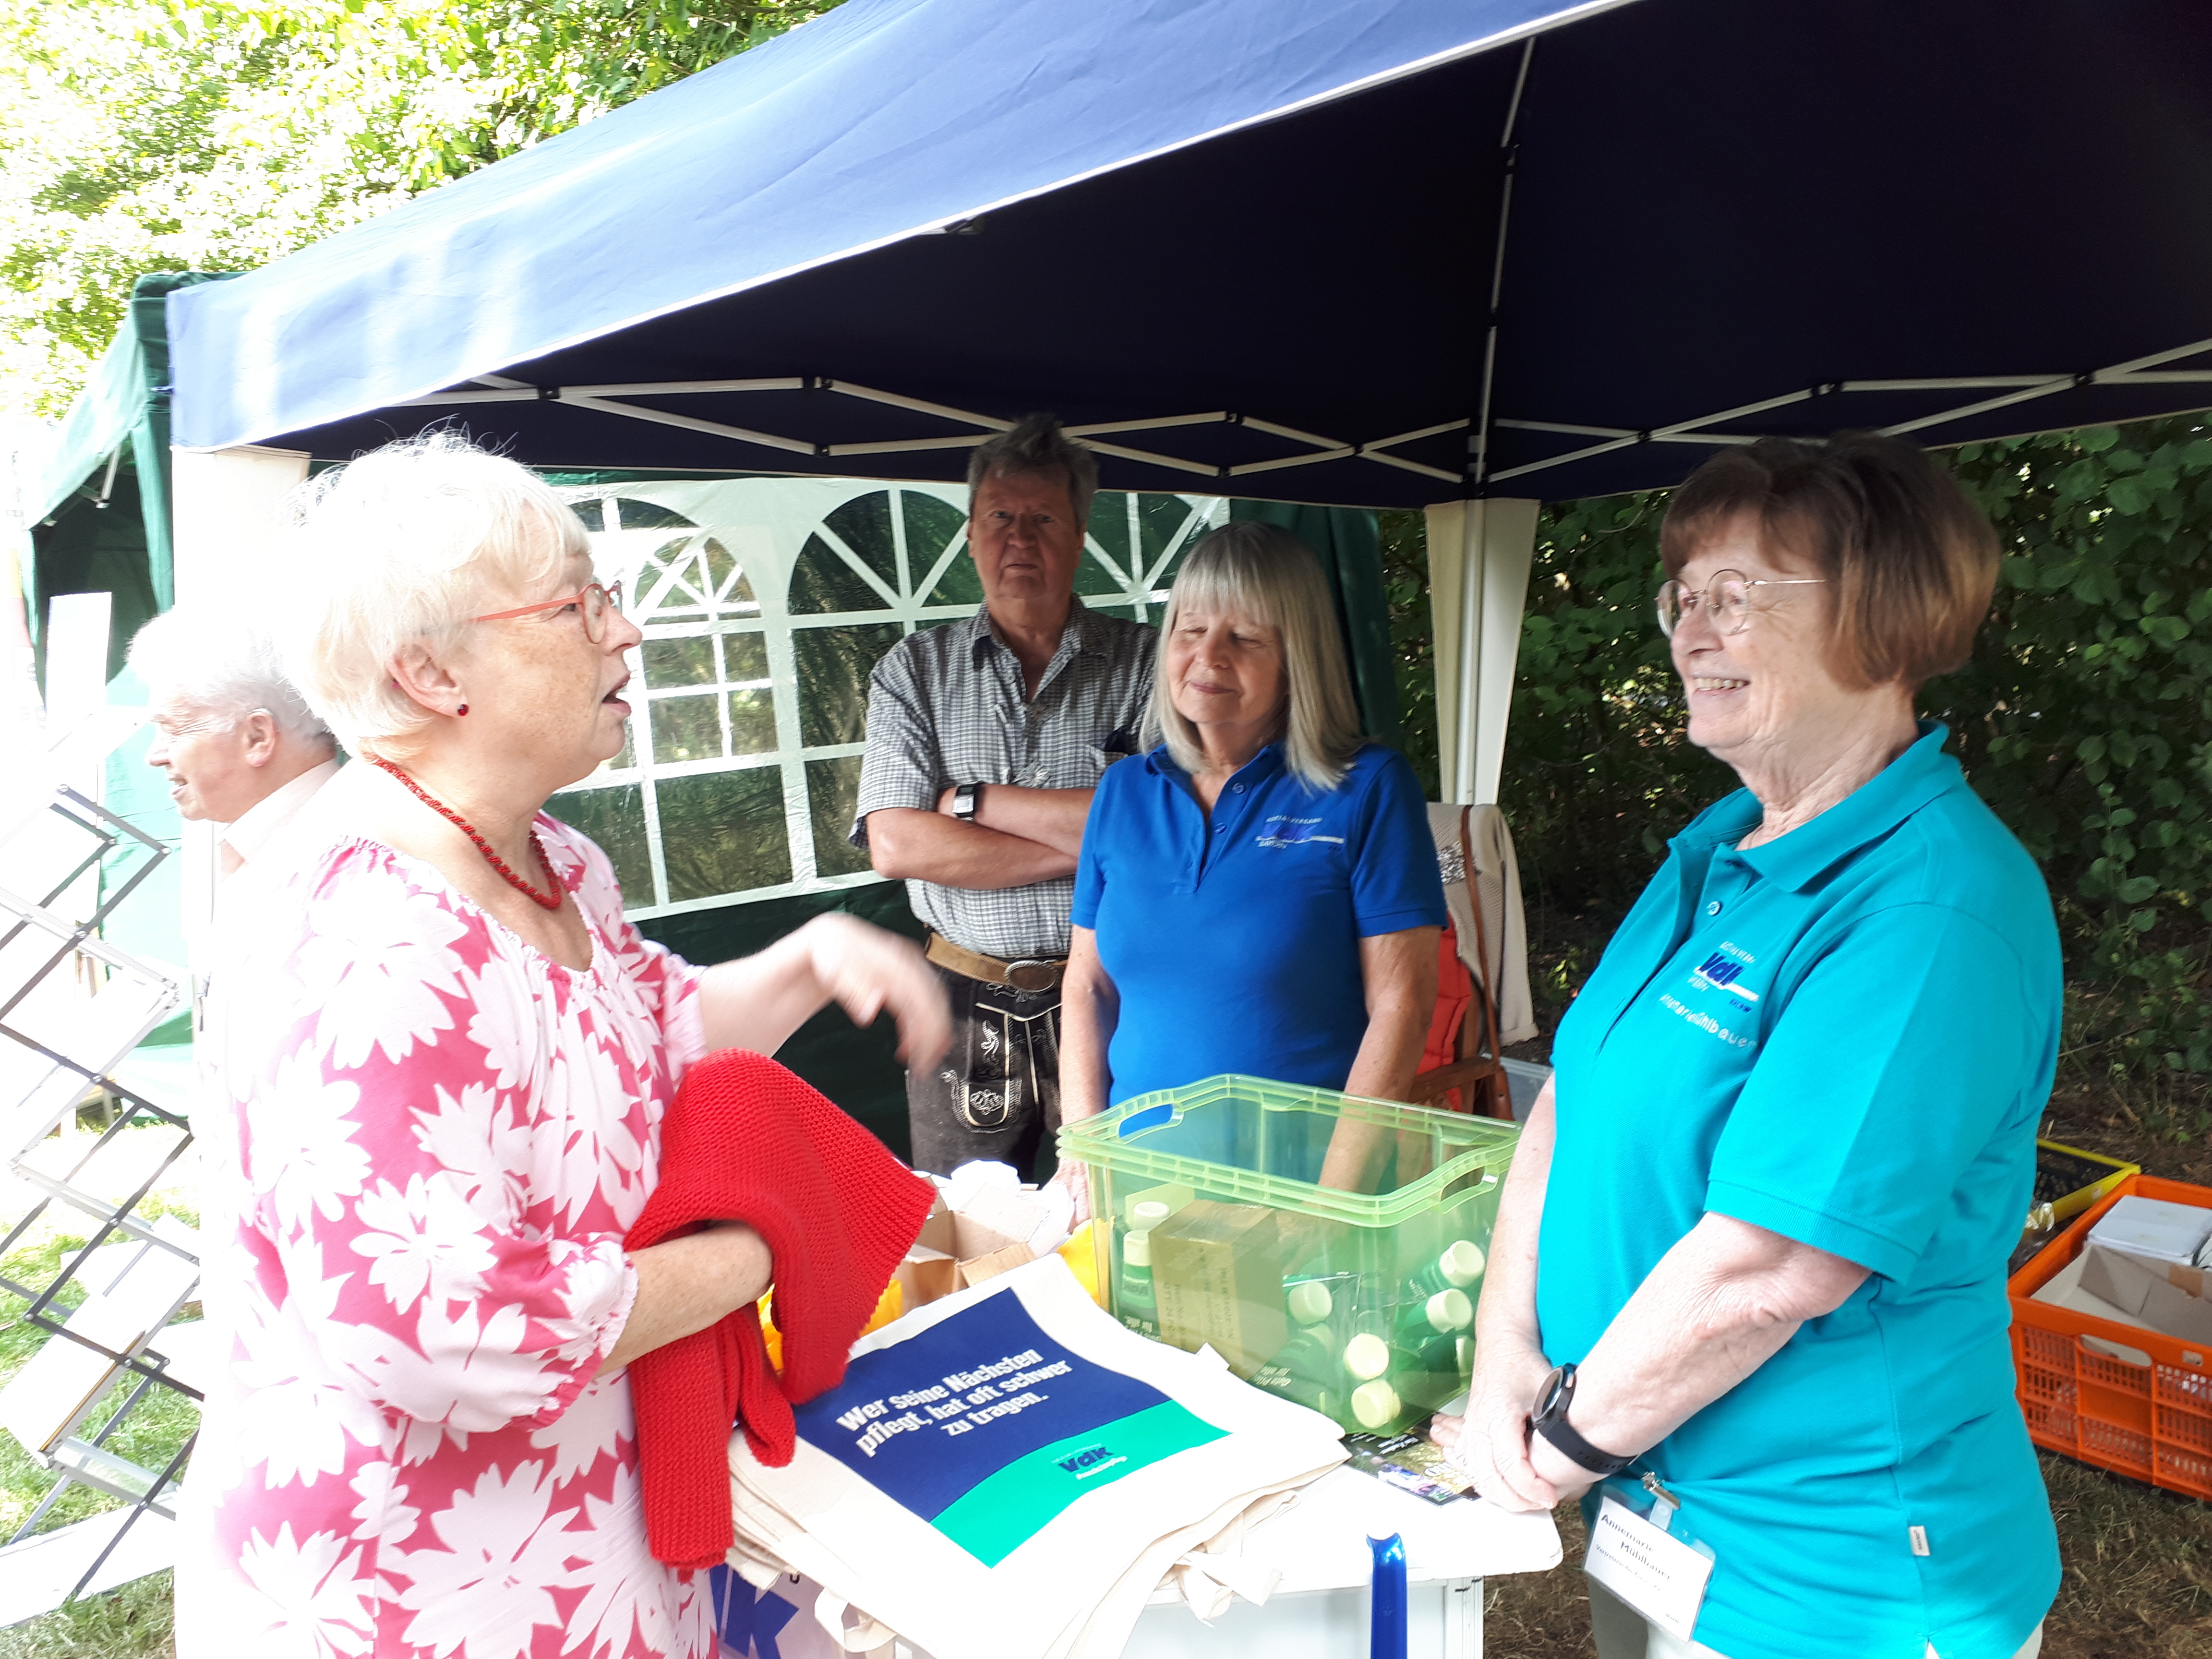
1320,1610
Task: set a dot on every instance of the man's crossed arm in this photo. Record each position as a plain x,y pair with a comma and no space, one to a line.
1018,836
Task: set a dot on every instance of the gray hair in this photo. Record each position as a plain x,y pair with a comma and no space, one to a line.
1267,574
409,542
1034,445
224,663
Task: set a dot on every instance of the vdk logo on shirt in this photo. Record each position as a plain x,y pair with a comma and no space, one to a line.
1719,972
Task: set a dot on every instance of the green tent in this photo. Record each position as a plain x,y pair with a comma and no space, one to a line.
686,843
100,523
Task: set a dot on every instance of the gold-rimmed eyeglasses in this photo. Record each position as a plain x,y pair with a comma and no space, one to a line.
1726,598
597,603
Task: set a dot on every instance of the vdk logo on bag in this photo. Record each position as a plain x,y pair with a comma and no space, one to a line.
1022,1427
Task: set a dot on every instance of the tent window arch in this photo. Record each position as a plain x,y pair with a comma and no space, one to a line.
765,605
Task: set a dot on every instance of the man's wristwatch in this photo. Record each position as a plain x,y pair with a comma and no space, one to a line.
966,797
1549,1418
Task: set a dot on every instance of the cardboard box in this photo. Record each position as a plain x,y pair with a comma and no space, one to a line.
1217,1279
2152,1227
955,1248
2160,1296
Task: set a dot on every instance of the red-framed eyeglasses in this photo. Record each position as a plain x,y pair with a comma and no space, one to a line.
597,603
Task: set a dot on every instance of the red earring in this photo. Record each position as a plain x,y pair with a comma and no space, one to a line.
463,709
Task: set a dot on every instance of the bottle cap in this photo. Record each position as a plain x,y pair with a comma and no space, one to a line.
1373,1404
1311,1302
1460,1263
1137,1250
1366,1356
1448,1311
1149,1215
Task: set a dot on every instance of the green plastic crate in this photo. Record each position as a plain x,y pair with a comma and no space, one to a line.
1355,1298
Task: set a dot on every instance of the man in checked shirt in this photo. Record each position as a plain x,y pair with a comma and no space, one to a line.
985,737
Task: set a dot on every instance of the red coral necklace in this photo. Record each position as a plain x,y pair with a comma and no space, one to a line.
552,901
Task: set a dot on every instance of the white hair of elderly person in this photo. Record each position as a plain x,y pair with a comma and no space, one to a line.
238,743
445,1055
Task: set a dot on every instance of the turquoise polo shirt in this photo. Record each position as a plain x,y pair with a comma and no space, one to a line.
1846,1036
1233,938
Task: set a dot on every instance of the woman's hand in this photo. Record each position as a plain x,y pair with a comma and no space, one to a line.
1492,1443
1075,1180
867,970
757,1001
1560,1472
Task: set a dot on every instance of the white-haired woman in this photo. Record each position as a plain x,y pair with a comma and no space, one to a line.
1259,893
445,1056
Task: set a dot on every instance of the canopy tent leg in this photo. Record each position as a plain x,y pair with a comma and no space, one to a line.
1478,557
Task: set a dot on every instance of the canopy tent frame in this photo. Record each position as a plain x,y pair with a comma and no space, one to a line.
2016,389
494,389
2021,388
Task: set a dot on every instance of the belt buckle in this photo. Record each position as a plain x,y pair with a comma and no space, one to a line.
1016,971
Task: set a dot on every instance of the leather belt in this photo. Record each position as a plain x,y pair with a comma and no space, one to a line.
1031,973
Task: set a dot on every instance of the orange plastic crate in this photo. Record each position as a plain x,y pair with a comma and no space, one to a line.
2154,1421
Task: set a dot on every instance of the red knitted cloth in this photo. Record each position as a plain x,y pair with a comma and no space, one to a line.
746,1140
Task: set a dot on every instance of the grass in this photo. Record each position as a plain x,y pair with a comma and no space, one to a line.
132,1623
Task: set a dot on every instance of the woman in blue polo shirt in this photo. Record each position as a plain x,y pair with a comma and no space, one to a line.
1753,1241
1259,893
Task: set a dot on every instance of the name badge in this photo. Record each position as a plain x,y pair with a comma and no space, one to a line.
1656,1574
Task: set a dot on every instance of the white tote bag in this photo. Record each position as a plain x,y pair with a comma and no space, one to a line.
1004,1467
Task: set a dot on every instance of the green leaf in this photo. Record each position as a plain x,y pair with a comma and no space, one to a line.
2095,439
2080,481
2136,889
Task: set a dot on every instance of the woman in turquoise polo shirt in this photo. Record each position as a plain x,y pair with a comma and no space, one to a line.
1753,1243
1260,892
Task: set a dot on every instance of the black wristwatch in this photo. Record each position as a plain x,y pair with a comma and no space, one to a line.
1549,1418
966,797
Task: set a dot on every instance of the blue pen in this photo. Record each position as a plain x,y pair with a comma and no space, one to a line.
1386,1626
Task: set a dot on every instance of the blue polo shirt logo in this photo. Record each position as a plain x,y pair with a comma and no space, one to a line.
1283,831
1718,973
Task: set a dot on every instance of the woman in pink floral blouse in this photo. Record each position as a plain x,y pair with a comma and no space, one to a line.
441,1060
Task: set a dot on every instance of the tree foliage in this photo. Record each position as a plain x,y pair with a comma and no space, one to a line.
2084,719
171,135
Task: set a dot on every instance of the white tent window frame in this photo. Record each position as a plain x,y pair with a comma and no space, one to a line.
701,590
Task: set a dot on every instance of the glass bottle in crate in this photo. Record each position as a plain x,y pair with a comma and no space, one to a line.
1136,1300
1457,1267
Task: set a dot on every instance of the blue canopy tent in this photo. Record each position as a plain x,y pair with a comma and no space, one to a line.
1292,211
1454,254
1368,252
